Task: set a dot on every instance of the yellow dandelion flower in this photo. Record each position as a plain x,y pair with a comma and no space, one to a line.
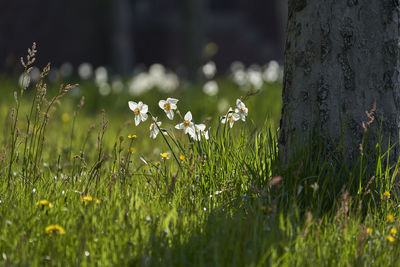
390,218
65,117
182,157
133,137
90,199
393,231
165,155
132,150
43,203
369,230
386,194
390,238
55,228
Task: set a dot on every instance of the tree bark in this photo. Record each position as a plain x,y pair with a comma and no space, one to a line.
341,56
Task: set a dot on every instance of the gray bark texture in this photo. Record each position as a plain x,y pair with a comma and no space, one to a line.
341,56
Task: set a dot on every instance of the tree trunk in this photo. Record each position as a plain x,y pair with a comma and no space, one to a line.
341,57
281,9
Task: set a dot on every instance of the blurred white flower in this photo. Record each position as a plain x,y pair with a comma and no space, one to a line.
209,70
66,69
140,111
24,81
169,83
156,77
187,125
240,78
35,74
101,75
140,84
104,89
117,86
241,110
211,88
85,71
237,66
154,129
231,117
168,106
272,72
157,70
255,76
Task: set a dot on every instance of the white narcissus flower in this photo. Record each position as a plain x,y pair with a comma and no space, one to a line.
200,131
140,111
154,129
187,125
168,106
241,110
231,117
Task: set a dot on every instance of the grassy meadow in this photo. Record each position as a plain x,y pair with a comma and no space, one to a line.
82,185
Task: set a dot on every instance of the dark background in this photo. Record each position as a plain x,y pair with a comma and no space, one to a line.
121,34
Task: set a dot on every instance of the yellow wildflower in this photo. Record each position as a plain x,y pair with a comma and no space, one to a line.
369,230
182,157
390,238
65,117
55,228
90,199
390,218
133,137
44,203
386,194
393,231
132,150
165,155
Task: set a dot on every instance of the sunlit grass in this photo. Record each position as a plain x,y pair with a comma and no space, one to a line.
103,192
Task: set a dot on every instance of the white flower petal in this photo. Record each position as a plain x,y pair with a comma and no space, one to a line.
161,104
137,120
172,101
143,116
170,114
144,109
132,105
188,116
235,116
200,127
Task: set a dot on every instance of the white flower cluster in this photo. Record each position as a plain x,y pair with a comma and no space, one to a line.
195,131
210,87
141,82
156,77
240,113
255,75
